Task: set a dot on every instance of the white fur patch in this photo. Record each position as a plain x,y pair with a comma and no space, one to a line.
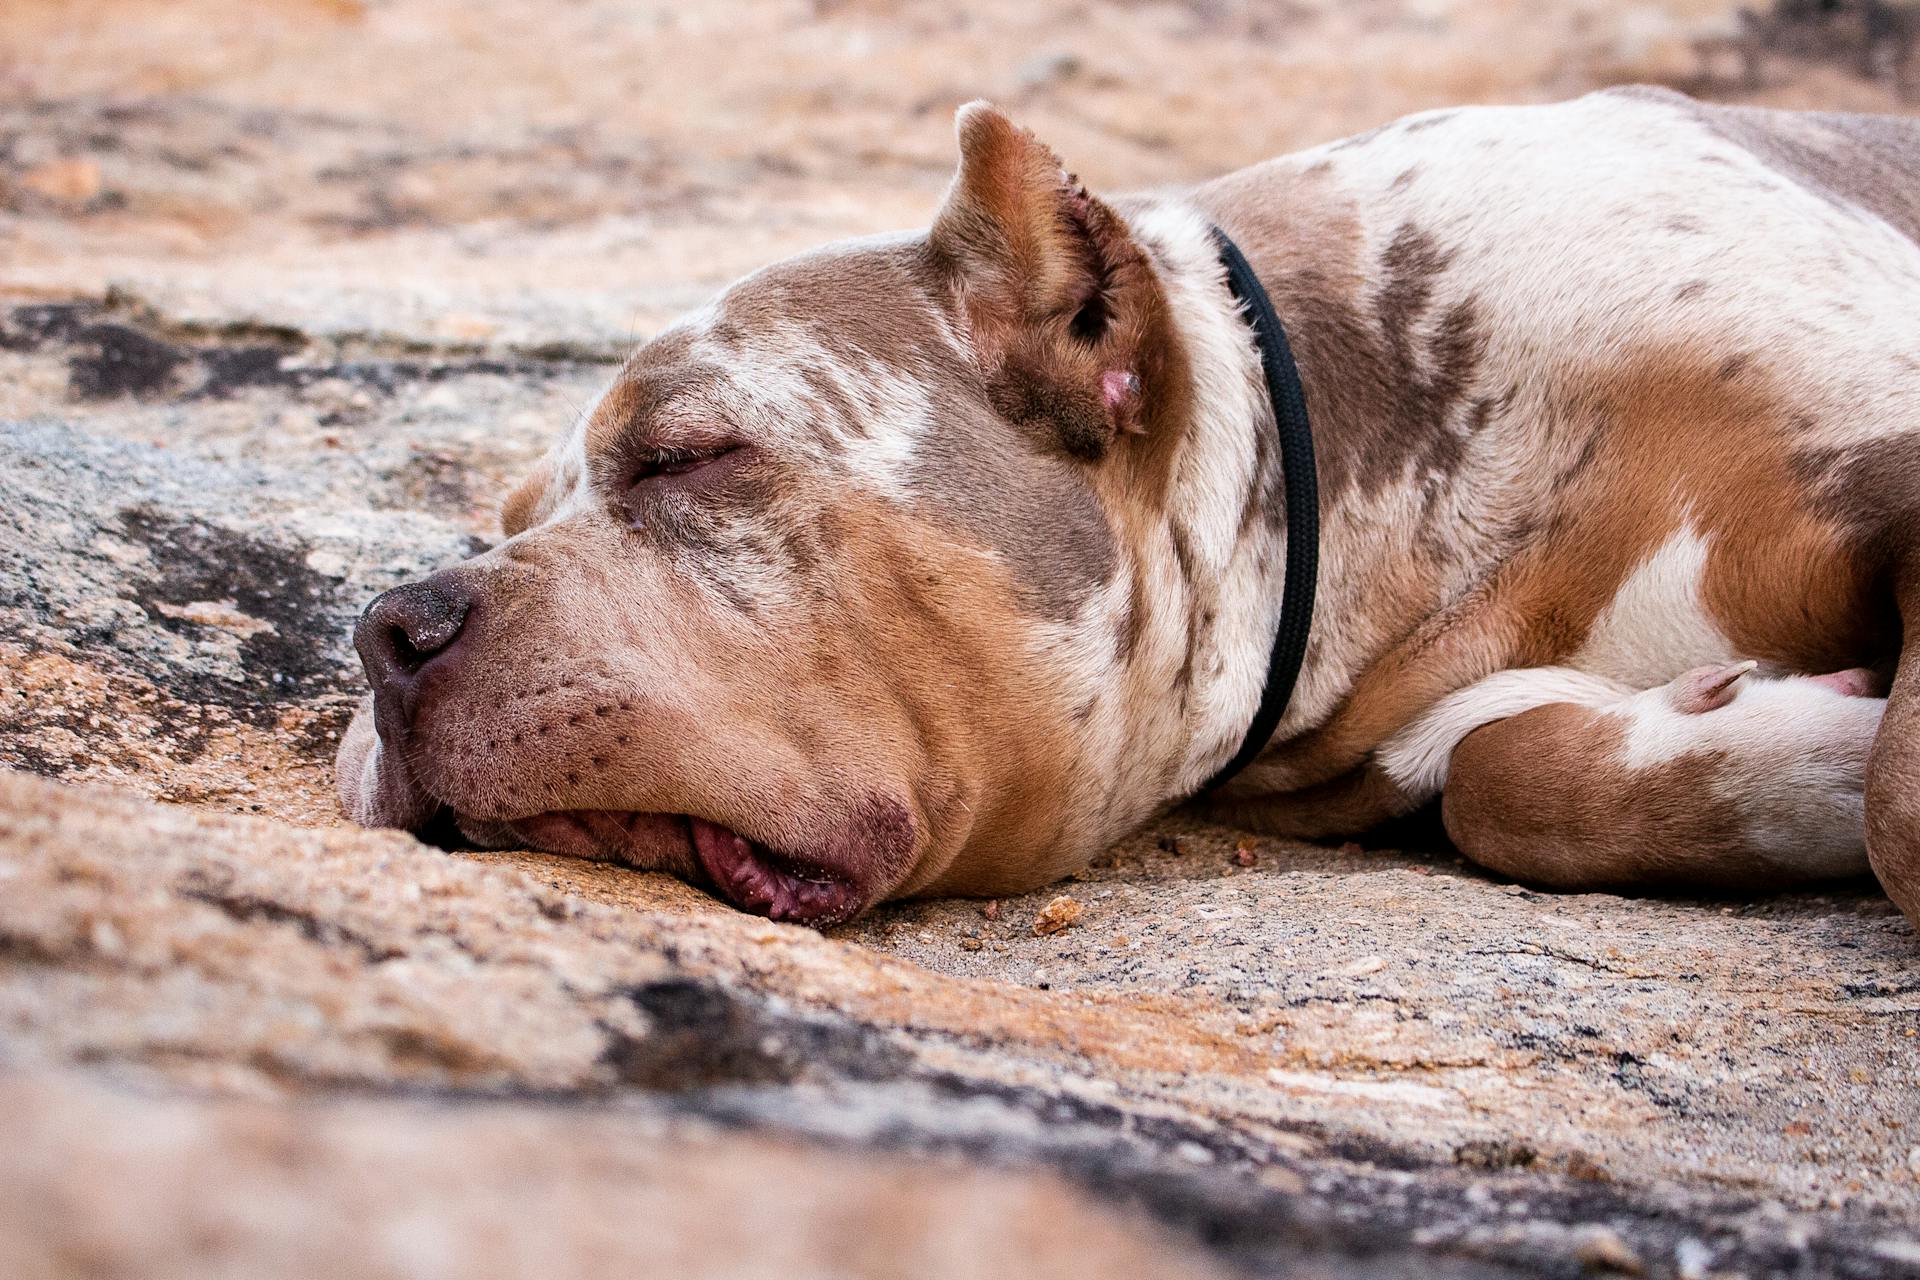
1764,714
1655,627
1793,759
1420,756
1211,474
896,410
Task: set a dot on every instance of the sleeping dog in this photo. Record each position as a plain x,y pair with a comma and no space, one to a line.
934,563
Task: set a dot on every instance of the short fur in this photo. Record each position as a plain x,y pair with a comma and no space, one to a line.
1617,388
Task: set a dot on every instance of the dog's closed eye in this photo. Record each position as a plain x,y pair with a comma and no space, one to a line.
668,464
669,476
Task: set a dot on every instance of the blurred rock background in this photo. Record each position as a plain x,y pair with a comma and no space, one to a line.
292,290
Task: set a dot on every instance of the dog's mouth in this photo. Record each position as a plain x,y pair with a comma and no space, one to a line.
835,866
776,885
747,873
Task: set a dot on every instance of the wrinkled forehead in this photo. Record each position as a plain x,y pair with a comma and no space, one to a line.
845,354
848,359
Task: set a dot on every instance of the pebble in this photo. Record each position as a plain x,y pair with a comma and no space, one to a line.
105,939
1057,915
328,564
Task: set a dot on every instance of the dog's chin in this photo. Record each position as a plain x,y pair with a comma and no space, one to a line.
378,790
745,872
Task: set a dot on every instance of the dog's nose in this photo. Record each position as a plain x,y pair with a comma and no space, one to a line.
402,632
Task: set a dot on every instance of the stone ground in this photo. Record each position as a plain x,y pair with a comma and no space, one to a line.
282,315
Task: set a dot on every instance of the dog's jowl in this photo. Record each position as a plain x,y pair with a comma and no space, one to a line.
934,563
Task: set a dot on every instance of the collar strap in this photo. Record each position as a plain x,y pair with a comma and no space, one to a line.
1303,506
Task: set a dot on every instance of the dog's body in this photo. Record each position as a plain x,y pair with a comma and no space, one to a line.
936,563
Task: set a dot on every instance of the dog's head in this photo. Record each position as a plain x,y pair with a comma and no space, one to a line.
838,593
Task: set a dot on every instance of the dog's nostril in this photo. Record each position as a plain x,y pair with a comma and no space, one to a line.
409,658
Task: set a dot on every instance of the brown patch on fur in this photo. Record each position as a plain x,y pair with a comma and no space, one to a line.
631,416
1669,442
943,627
1545,797
1133,618
1779,580
517,513
1038,510
1871,489
1386,380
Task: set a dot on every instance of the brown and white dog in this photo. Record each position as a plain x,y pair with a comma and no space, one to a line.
936,562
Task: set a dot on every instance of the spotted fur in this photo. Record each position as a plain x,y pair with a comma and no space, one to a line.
1614,388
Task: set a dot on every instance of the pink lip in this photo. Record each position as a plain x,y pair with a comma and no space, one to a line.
757,879
745,872
604,834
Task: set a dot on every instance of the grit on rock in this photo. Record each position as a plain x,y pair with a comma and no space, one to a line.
268,347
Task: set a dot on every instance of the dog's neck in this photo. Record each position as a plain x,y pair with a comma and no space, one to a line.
1214,559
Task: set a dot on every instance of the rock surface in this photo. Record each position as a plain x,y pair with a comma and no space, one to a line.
266,348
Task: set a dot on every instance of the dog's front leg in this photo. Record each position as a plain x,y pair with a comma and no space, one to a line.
1717,779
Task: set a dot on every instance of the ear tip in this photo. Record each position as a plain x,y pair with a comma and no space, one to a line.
989,139
971,119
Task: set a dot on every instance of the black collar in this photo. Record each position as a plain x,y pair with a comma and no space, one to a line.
1303,506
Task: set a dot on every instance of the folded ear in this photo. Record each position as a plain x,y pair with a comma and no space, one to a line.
1059,300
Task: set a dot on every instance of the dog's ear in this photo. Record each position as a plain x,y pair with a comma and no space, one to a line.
1014,221
1059,300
